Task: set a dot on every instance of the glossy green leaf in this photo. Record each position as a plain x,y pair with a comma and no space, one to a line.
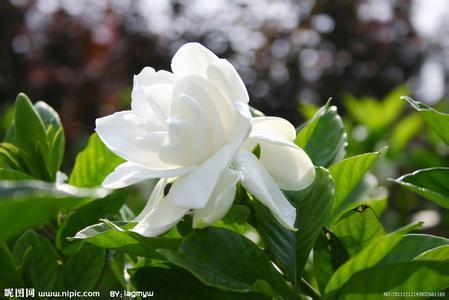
328,255
432,184
24,204
31,138
47,114
93,164
366,258
413,245
88,215
118,236
292,249
10,158
55,135
83,270
347,174
437,120
412,277
29,128
224,259
40,267
323,137
440,253
175,283
22,244
9,275
427,273
357,228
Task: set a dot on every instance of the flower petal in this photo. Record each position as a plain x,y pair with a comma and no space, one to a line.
262,186
161,216
149,76
189,139
217,109
220,201
224,76
273,127
156,195
193,190
151,95
192,58
290,166
132,138
129,173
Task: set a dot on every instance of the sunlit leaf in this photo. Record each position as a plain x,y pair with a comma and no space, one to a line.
437,120
292,249
432,184
88,215
375,114
347,174
366,258
24,204
323,137
93,164
357,228
118,236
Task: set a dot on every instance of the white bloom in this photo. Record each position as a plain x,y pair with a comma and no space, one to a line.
192,127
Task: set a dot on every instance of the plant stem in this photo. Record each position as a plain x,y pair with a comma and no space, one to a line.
309,289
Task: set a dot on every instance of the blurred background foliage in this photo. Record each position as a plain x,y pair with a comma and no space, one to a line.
79,56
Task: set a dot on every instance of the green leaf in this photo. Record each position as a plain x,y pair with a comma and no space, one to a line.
118,236
328,255
374,114
357,228
55,135
11,158
440,253
323,137
437,120
24,204
175,283
23,243
238,214
403,277
427,273
8,174
9,275
313,205
29,128
366,258
47,114
31,138
413,245
89,214
224,259
83,270
431,183
404,131
93,164
347,174
40,267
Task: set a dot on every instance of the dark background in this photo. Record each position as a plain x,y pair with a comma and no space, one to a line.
80,56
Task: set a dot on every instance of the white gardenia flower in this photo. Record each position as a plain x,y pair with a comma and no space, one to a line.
192,127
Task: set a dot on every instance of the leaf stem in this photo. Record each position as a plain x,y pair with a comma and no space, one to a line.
309,289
